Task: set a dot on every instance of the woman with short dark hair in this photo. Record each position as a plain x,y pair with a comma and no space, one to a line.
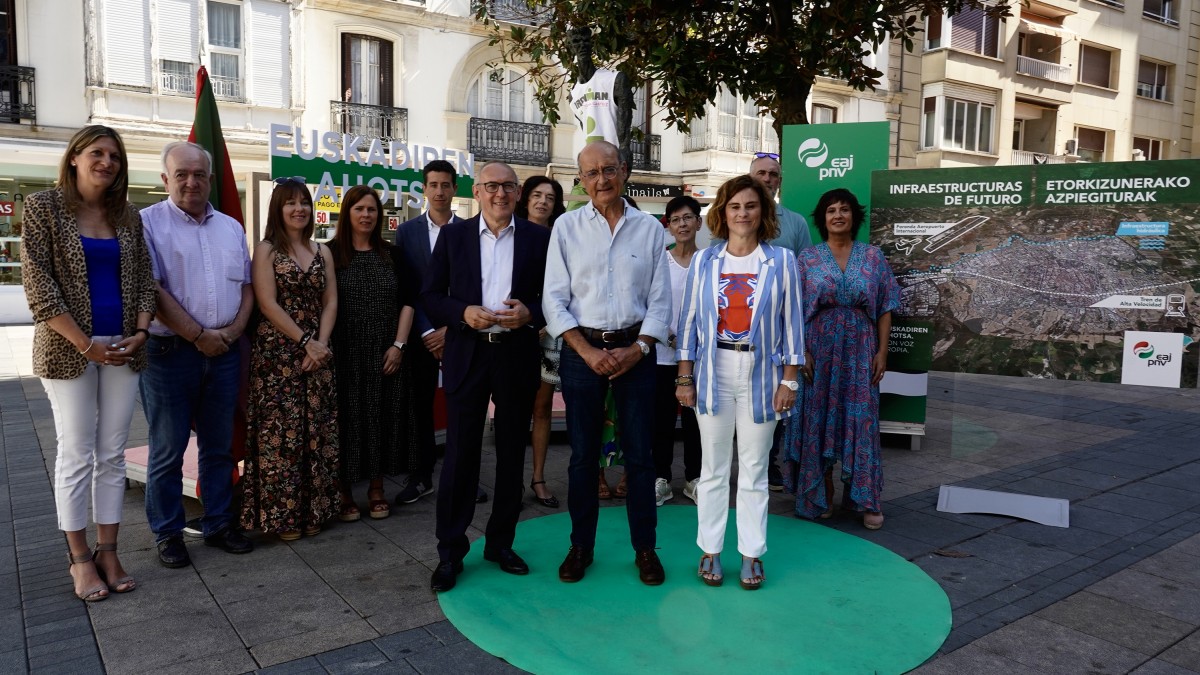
849,296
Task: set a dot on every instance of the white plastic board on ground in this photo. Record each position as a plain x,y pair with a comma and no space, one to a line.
1045,510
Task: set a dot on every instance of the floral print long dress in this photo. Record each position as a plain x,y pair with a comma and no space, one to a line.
291,470
841,409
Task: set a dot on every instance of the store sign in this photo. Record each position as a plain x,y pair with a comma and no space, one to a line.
653,190
7,208
334,162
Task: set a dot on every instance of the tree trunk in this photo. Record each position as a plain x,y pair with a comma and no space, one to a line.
789,105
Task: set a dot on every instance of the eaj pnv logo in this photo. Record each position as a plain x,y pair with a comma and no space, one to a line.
814,153
1143,350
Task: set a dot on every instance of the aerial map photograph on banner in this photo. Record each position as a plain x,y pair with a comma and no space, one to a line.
1064,271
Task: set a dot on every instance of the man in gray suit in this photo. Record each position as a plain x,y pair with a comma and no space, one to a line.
416,238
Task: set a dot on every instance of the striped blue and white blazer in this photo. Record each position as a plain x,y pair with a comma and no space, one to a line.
776,327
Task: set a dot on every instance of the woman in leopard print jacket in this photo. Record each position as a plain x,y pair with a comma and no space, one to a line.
88,280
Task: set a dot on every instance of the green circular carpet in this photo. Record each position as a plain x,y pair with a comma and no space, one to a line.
832,603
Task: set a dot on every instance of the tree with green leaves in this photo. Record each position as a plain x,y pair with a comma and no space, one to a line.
769,52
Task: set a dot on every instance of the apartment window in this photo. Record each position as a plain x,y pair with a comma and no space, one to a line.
502,94
1090,144
366,70
225,49
740,126
1095,66
1160,10
1153,80
970,30
1152,148
823,114
641,107
965,125
177,77
1018,139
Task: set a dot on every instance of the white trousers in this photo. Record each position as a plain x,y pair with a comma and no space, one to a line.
91,416
732,370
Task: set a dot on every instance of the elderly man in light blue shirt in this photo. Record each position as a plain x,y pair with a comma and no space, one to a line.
202,267
608,294
795,235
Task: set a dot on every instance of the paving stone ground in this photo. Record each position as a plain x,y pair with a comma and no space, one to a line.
1117,592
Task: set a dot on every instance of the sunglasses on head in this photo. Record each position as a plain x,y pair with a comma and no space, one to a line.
772,155
284,180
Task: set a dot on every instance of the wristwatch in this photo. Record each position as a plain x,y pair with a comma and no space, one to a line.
643,346
398,345
791,384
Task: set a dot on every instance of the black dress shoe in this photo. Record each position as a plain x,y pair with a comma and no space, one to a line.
650,569
508,560
480,495
172,553
445,575
230,540
572,569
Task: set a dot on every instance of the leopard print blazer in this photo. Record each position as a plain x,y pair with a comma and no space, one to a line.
54,272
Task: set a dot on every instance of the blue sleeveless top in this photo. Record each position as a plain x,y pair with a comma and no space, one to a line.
104,284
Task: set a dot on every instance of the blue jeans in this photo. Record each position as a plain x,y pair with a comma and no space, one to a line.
584,391
181,386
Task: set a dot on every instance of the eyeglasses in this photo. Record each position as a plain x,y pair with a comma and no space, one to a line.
608,171
284,180
683,220
508,188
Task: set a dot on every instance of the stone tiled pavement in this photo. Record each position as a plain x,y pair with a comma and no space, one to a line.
1117,592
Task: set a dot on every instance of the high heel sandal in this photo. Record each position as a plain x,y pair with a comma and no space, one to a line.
91,594
622,489
549,502
348,512
289,535
123,585
377,504
872,521
752,573
603,491
710,563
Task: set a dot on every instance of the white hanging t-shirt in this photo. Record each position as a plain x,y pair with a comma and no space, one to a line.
595,108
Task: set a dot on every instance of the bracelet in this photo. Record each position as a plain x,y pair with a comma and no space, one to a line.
143,330
91,343
685,381
198,335
305,338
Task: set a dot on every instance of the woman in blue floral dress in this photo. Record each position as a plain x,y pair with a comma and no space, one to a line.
849,294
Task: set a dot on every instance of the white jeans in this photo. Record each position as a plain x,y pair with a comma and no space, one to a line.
732,370
91,416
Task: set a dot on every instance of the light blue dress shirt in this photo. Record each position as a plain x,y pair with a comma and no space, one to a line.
607,279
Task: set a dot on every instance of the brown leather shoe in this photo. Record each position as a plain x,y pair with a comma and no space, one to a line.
650,569
572,569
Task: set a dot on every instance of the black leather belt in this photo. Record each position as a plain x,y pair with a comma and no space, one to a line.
610,336
493,337
735,346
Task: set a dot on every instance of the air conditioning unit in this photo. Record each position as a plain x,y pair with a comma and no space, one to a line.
1072,146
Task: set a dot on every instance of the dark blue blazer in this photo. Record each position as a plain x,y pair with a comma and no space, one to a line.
455,282
413,239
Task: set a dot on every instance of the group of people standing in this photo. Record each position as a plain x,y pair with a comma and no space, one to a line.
510,305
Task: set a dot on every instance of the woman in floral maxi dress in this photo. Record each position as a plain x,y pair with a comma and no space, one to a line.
291,470
849,293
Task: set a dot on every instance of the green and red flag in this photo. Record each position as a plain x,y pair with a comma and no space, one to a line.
206,132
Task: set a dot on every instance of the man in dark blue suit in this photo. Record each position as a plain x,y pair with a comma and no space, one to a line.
416,238
485,284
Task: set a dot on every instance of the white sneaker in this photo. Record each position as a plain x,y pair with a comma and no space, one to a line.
662,491
689,489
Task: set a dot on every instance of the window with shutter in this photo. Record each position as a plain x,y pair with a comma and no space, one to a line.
126,25
1095,66
268,61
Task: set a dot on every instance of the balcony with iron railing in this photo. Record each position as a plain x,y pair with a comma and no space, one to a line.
647,153
514,142
229,88
369,121
517,11
176,83
1027,65
1026,157
17,94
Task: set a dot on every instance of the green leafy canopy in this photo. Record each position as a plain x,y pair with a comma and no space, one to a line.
769,52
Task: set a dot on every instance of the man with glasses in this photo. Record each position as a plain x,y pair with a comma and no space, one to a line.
485,284
202,267
416,239
608,295
793,234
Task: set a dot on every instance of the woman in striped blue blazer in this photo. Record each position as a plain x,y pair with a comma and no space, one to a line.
741,346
